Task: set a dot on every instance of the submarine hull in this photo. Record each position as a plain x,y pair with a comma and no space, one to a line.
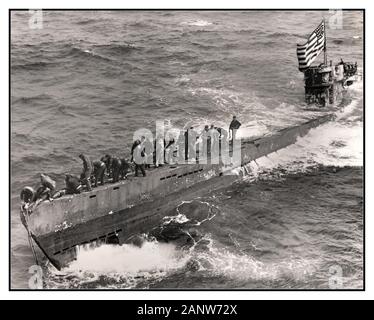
115,212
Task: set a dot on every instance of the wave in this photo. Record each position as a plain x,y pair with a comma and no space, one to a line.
36,98
251,111
117,48
87,22
334,144
280,35
197,23
139,24
84,53
106,52
131,266
243,266
126,266
39,65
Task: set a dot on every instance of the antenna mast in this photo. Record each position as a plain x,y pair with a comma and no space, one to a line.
325,46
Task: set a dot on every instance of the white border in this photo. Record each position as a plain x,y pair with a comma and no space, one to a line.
169,295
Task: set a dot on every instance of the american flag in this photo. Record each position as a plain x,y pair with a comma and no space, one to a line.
308,52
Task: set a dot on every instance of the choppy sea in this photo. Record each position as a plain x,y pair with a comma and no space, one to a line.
87,80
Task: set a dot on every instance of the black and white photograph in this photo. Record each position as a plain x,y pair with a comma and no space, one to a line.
194,149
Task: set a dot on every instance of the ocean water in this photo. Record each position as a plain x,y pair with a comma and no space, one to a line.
87,80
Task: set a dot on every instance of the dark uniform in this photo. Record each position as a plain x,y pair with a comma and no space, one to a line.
72,184
41,194
234,126
115,165
125,168
87,171
107,160
27,194
134,145
99,168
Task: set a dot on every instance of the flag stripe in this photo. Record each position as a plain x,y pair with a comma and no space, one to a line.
307,45
304,57
309,51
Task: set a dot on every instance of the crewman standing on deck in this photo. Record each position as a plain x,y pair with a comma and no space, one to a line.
125,168
117,168
139,159
134,145
99,168
149,150
205,140
116,165
234,126
87,171
160,152
191,138
214,135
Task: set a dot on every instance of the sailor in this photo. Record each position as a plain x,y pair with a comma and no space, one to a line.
27,195
186,145
115,166
191,137
169,150
204,140
160,153
234,126
181,143
99,168
148,149
215,136
47,182
223,134
87,171
73,185
46,188
139,159
107,160
170,143
134,145
125,168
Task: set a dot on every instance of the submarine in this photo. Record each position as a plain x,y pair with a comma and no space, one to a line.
114,213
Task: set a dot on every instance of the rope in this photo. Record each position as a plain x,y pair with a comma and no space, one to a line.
29,236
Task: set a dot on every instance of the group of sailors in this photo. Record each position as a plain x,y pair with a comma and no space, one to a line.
93,173
350,69
113,168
